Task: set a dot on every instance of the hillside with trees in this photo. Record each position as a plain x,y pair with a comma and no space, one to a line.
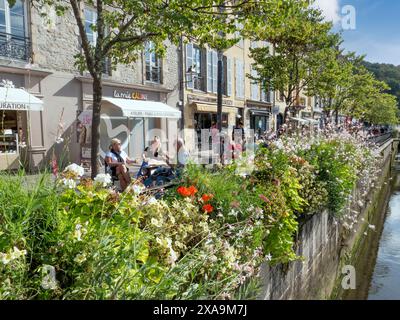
388,73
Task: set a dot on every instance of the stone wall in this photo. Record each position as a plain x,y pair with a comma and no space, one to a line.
325,247
55,42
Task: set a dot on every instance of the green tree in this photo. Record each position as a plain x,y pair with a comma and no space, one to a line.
124,26
388,73
300,40
382,109
334,81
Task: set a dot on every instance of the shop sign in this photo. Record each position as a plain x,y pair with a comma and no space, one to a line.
129,95
86,153
13,106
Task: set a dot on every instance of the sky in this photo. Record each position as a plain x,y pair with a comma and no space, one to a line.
377,27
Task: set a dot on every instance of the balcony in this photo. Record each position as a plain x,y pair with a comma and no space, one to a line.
15,47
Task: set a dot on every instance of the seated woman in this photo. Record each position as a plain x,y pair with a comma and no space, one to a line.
176,163
151,152
116,160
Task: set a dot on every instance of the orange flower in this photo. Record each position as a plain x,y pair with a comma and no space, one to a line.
184,192
207,197
208,208
192,190
187,192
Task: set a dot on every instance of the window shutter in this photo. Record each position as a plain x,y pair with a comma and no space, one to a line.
229,76
209,71
239,79
189,65
254,86
215,70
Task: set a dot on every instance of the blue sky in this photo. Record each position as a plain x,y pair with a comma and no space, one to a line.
377,32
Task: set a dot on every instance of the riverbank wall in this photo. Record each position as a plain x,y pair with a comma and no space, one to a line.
325,246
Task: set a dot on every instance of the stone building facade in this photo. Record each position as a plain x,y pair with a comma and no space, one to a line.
40,58
243,100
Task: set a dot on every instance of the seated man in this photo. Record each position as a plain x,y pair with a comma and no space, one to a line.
116,160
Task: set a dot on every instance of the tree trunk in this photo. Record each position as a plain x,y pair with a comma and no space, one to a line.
337,116
285,114
95,152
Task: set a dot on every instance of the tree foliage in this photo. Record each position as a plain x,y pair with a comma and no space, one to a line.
300,40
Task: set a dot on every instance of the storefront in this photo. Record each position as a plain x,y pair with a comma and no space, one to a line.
205,118
260,117
15,106
134,114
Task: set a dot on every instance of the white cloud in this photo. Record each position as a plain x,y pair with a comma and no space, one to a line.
330,8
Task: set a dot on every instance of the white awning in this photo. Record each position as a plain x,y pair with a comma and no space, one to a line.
313,121
19,99
144,109
300,120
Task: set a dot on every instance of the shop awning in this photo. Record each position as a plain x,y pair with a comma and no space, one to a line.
256,112
212,108
312,121
19,99
300,120
144,109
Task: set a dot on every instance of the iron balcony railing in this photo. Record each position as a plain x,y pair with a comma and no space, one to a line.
15,47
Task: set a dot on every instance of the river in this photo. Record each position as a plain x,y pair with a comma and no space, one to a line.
385,281
378,266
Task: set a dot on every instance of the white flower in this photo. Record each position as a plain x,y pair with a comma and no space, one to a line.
172,256
372,227
70,183
103,179
80,258
155,222
80,231
14,254
137,189
233,213
5,258
268,257
18,253
74,168
360,203
152,200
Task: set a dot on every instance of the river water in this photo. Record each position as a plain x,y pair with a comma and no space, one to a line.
385,281
378,264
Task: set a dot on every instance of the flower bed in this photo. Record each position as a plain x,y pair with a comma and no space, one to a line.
206,239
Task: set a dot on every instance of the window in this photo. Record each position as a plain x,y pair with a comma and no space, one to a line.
12,20
266,95
153,64
194,67
212,71
13,40
239,27
281,96
253,44
239,79
10,134
90,23
255,89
